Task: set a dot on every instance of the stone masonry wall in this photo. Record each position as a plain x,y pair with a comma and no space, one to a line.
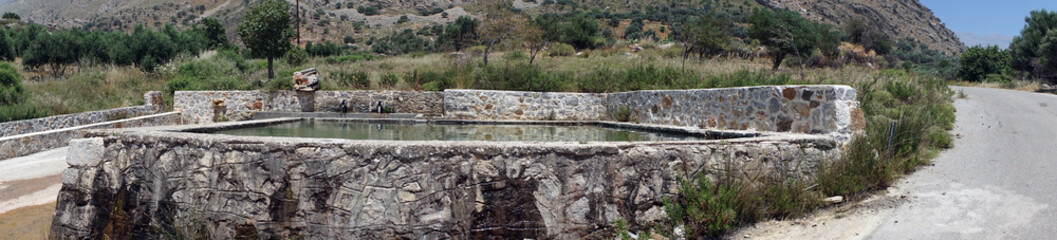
817,109
26,144
77,119
197,106
814,109
511,105
125,183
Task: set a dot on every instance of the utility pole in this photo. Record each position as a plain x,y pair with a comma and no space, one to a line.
297,15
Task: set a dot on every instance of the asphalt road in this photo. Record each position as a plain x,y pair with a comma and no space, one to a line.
999,181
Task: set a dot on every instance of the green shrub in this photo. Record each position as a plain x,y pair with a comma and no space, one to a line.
622,114
354,80
638,78
296,56
367,10
208,74
20,111
515,56
521,77
14,103
11,89
561,50
706,209
388,80
998,78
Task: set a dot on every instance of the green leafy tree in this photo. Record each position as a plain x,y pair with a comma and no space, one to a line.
7,51
785,32
978,62
215,32
580,32
1035,50
150,48
460,34
12,16
500,25
704,35
266,30
54,51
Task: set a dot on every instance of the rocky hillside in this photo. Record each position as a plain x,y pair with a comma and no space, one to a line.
334,19
899,19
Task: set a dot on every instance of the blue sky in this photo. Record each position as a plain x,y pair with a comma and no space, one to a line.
987,22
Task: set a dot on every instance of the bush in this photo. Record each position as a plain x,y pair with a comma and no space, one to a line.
521,77
296,56
353,80
622,114
367,10
11,90
561,50
979,63
208,74
388,80
515,55
638,78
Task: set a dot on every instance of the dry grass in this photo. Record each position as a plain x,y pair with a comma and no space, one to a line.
95,88
1020,85
31,222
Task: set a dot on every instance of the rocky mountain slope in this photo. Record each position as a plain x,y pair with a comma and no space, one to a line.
899,19
334,19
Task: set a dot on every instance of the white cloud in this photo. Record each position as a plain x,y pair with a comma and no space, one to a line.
972,39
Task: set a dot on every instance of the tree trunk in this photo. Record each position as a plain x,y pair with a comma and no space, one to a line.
532,56
778,57
686,54
271,72
487,49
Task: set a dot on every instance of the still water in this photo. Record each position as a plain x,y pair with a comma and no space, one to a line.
456,132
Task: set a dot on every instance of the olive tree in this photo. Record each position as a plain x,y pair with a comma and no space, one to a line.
704,35
266,30
785,32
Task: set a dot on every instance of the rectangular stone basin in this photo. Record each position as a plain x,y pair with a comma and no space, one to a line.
145,183
527,131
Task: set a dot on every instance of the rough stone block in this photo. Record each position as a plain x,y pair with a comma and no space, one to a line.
85,152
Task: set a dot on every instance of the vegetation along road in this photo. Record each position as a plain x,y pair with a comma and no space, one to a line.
997,182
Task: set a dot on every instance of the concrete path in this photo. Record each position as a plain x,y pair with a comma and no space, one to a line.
999,181
31,180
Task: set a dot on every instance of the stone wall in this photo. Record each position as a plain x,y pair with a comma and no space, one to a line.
510,105
25,144
815,109
125,183
198,106
152,105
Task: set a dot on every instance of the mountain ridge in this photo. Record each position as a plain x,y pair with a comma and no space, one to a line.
898,19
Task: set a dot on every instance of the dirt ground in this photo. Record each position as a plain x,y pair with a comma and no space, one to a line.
27,223
851,220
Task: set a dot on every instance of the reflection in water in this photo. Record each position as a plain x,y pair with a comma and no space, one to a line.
456,132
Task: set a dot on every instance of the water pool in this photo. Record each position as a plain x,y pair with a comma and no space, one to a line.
409,131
